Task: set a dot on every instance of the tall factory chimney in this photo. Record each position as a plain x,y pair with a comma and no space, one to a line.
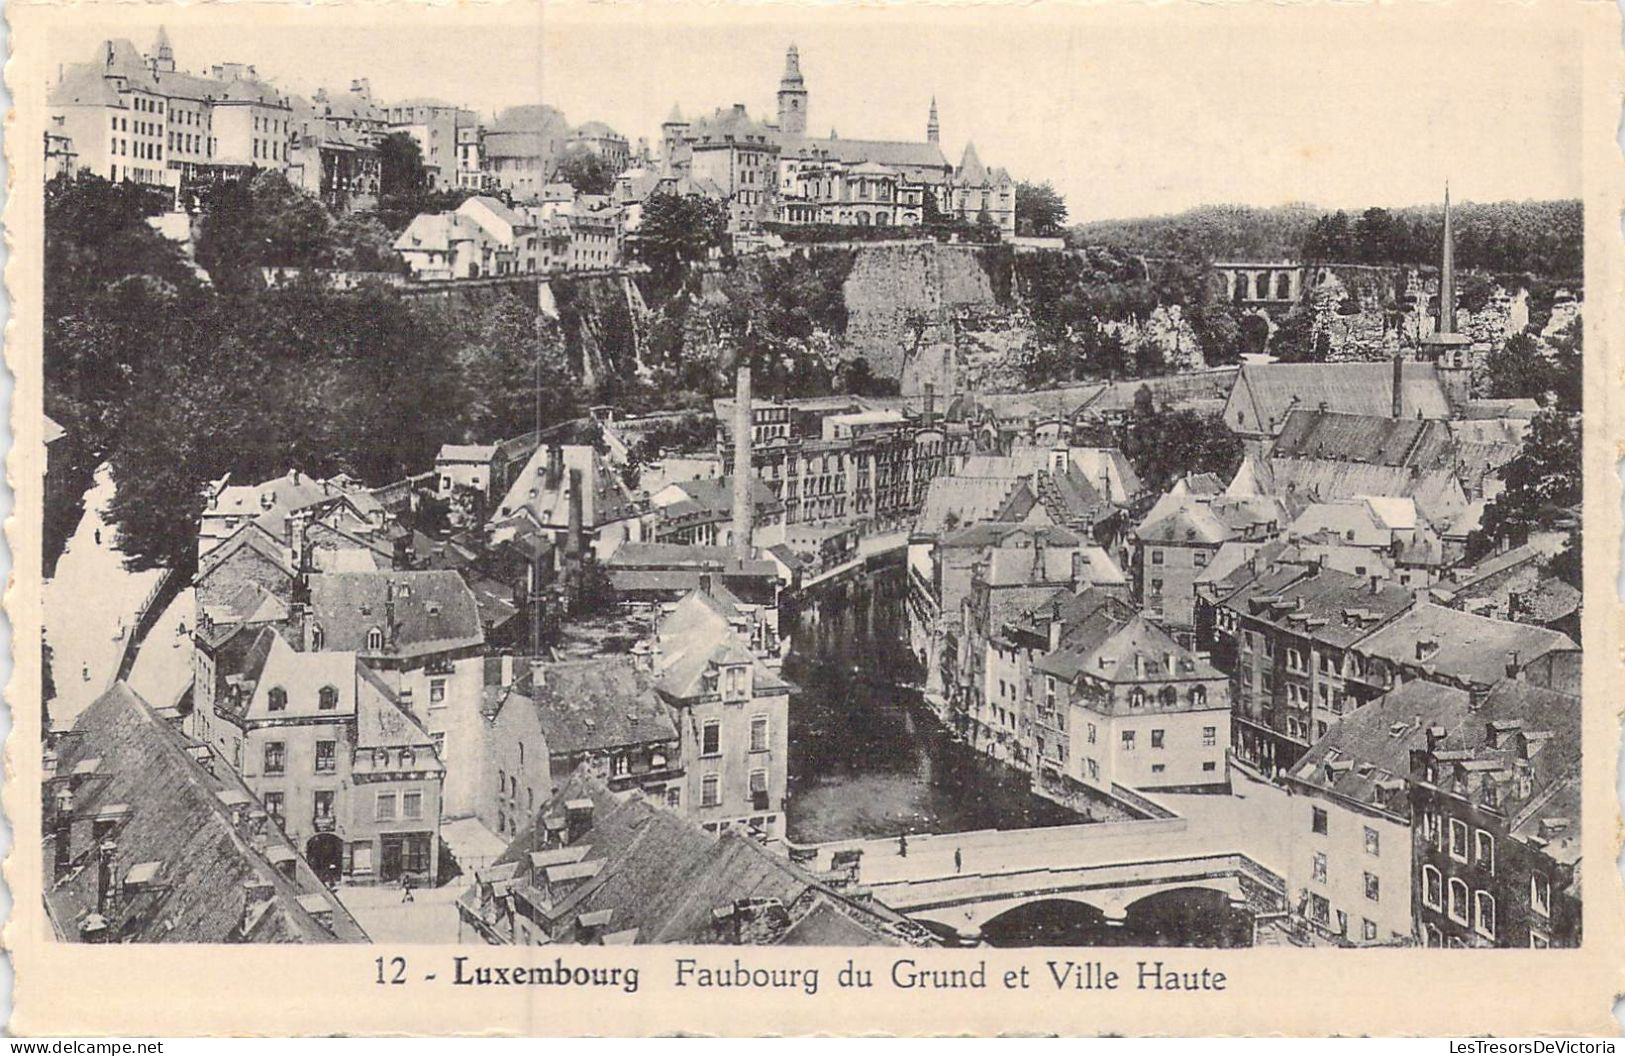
743,511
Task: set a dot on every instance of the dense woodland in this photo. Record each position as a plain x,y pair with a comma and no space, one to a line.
1535,238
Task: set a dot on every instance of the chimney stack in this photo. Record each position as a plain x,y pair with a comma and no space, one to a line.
105,895
1399,387
743,512
929,418
389,616
555,465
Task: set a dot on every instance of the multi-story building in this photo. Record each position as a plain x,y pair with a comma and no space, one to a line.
522,147
433,125
420,635
471,175
1437,644
1295,631
548,720
731,710
1178,539
117,116
1496,802
148,837
1349,870
1141,711
252,121
608,144
327,745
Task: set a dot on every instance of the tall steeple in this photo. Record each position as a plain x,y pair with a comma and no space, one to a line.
1447,273
162,58
933,131
792,95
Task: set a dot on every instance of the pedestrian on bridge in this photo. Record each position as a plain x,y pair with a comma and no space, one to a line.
959,860
902,844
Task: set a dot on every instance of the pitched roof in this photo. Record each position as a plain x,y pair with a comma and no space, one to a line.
896,154
592,705
178,815
1337,608
958,500
700,634
1366,756
1271,391
1437,492
1370,438
714,495
605,497
1471,649
434,611
653,876
1115,648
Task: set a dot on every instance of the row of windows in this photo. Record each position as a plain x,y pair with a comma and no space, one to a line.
1210,737
1320,913
711,736
151,106
1318,870
1320,824
711,789
1476,910
276,757
1482,842
384,807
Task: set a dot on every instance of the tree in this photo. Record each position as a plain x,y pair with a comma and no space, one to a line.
261,222
400,166
586,171
1329,238
1518,369
678,230
1040,209
1164,445
1542,484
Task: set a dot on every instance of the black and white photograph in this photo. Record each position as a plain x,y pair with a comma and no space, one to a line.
604,480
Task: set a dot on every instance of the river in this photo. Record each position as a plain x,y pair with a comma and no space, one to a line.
866,756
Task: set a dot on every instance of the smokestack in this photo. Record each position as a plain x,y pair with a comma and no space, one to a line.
573,540
930,404
743,513
1399,387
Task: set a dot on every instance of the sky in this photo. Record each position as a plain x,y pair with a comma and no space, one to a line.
1129,110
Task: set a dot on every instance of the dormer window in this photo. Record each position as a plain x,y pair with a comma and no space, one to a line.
327,698
375,640
408,758
277,699
318,637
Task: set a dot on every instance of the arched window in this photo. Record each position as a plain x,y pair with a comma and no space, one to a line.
1136,697
408,758
1169,696
277,699
1198,696
375,640
327,698
1484,914
1432,888
318,637
1458,900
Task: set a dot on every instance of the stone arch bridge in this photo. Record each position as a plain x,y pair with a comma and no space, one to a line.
959,882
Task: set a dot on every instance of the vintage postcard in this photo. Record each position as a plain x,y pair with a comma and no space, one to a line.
778,519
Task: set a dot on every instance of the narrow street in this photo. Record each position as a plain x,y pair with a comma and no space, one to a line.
90,607
163,664
429,919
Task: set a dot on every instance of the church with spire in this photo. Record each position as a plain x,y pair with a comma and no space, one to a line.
777,171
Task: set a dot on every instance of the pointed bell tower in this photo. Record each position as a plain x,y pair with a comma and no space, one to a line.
933,130
792,96
1451,352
